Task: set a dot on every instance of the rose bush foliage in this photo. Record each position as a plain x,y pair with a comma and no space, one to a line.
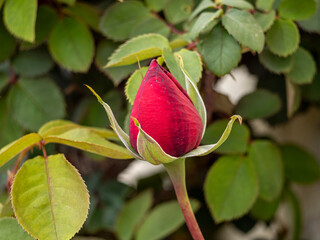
49,49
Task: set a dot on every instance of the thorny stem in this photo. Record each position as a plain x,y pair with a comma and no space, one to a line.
176,171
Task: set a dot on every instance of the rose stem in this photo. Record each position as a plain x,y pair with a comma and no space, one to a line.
176,171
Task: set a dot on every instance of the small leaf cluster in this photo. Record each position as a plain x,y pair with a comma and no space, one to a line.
49,49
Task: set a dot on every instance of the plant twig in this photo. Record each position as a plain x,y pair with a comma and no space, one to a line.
176,171
170,26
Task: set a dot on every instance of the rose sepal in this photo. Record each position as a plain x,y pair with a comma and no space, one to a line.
115,125
194,95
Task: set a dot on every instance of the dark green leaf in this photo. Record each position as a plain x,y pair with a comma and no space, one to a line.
20,18
237,141
116,74
204,4
4,80
268,164
178,10
264,5
283,37
241,4
304,67
8,43
32,63
46,19
132,213
68,2
71,45
35,101
163,220
313,23
297,9
231,187
120,19
220,51
150,25
9,129
85,12
311,91
299,165
258,104
264,210
244,28
265,19
155,5
11,230
295,218
202,22
141,47
275,63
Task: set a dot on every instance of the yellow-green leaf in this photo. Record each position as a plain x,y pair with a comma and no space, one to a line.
12,149
141,47
50,199
87,140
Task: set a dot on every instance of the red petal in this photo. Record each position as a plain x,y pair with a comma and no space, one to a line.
166,113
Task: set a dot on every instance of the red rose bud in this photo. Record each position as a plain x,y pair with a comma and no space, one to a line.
166,113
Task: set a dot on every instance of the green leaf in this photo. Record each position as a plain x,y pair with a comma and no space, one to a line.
283,37
115,126
237,142
9,129
42,102
88,140
68,2
274,63
120,19
116,74
204,4
8,43
313,23
244,28
259,104
265,19
192,64
230,188
4,80
71,45
293,97
202,22
12,149
241,4
133,84
163,220
206,149
32,63
296,9
46,19
20,18
85,12
264,5
49,197
299,165
304,67
220,51
131,215
150,25
267,161
11,230
264,210
142,47
155,5
178,10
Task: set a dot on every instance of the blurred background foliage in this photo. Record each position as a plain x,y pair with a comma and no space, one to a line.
50,48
